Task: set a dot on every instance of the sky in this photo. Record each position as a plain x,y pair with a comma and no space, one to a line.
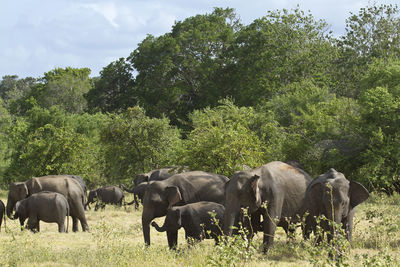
36,38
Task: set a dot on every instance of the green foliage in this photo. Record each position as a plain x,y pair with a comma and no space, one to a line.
317,128
374,33
301,95
380,119
47,142
64,88
222,141
278,49
184,69
12,88
112,90
134,143
5,123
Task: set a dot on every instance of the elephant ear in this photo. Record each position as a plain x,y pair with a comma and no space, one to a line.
173,195
314,197
358,194
35,185
22,190
254,186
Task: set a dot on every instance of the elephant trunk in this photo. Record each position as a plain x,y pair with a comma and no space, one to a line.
158,228
147,217
231,210
10,208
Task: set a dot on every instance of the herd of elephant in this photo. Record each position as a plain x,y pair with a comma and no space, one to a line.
206,205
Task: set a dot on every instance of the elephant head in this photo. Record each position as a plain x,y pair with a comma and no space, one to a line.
335,197
157,199
143,177
173,221
240,191
17,191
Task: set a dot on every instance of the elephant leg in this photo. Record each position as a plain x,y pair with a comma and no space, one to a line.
97,206
61,227
172,237
74,224
270,221
308,227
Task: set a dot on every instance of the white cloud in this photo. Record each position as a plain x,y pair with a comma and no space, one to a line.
107,10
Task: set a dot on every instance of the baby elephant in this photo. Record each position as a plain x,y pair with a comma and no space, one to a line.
106,195
46,206
196,219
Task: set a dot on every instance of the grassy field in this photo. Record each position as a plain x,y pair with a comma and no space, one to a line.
115,239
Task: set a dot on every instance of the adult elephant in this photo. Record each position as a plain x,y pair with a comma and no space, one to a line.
110,194
178,190
62,184
335,197
83,186
141,180
280,185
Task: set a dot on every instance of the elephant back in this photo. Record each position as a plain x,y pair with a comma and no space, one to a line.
198,186
110,194
55,183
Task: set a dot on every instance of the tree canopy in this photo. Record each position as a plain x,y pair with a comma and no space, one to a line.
213,94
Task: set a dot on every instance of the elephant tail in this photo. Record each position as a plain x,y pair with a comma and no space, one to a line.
123,187
67,216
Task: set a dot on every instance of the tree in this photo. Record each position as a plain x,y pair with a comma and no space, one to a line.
183,70
222,140
317,129
276,50
64,88
134,143
5,123
373,33
112,91
12,88
380,125
47,142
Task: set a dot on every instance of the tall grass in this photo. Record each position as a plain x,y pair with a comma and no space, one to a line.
115,239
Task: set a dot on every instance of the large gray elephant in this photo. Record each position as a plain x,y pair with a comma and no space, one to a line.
62,184
2,214
178,190
335,197
281,186
106,195
43,206
196,219
139,183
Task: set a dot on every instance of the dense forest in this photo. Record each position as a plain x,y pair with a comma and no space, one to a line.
216,95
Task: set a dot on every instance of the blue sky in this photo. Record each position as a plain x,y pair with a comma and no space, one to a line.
38,36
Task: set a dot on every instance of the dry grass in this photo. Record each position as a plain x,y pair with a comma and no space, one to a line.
115,239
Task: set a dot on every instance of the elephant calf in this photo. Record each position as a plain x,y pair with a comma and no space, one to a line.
2,213
196,219
46,206
106,195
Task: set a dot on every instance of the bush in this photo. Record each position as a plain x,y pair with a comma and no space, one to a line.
134,143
